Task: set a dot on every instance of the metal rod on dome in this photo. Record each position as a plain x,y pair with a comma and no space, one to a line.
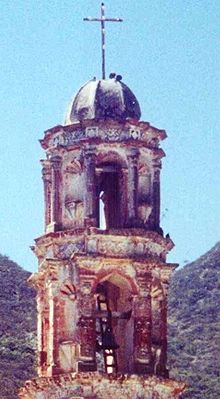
103,19
103,38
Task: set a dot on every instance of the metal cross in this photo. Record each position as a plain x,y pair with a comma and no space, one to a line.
103,19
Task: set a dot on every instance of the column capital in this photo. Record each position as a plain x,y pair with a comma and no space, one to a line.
133,153
46,174
89,151
157,164
56,162
46,169
165,286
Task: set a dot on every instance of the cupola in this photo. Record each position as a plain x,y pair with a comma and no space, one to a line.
103,99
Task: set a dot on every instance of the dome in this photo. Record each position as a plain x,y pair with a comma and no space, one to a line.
99,99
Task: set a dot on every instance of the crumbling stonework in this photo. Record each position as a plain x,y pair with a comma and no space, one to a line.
97,386
103,278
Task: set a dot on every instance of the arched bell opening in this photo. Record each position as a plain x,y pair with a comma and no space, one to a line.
101,208
115,326
159,328
110,193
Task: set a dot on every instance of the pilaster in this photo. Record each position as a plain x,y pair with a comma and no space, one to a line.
161,368
55,192
132,190
155,215
86,325
52,349
90,186
143,325
47,180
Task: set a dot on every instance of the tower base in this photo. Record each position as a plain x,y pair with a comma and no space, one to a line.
99,386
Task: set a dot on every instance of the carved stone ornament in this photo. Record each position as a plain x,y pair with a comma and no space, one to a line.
142,327
143,169
74,167
68,290
135,133
85,288
85,304
52,271
114,134
70,206
92,132
124,246
87,336
69,248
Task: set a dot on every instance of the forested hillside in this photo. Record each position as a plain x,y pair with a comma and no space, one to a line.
17,328
194,326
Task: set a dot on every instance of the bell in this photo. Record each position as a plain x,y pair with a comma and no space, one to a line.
108,340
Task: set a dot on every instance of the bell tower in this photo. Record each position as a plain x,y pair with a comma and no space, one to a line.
103,278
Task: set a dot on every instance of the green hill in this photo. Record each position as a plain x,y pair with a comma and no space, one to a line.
194,326
17,328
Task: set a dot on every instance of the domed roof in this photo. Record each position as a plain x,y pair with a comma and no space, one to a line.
107,98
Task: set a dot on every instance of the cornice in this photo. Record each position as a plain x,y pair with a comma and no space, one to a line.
117,243
102,131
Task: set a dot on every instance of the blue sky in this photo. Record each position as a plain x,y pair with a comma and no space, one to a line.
168,54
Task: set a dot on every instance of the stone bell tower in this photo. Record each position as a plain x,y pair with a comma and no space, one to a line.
103,278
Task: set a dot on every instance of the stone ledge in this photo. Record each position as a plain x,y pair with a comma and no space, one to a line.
114,242
105,131
98,386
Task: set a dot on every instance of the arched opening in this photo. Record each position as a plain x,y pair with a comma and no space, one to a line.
114,326
109,194
102,219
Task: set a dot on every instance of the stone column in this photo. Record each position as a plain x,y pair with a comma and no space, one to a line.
40,333
52,348
87,327
90,195
155,221
55,192
46,176
162,366
143,326
132,186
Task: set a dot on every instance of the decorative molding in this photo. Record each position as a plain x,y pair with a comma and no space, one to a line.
67,249
124,246
120,243
65,138
93,385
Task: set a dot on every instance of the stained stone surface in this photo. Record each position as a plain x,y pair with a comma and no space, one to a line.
102,235
97,386
107,98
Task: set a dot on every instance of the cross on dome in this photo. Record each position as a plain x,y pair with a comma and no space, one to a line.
102,20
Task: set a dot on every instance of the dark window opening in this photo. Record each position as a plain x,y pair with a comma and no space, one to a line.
109,198
102,219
